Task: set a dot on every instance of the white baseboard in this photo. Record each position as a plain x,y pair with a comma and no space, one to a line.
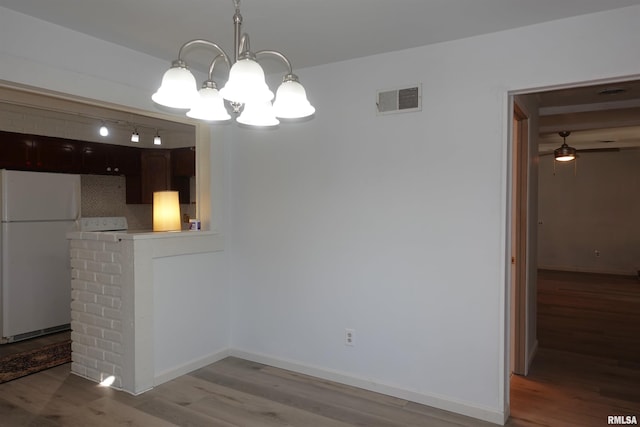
191,366
440,402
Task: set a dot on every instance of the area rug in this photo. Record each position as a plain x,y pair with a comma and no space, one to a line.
18,365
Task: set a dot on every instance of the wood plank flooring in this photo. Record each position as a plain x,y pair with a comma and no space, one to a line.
569,389
563,389
595,314
232,392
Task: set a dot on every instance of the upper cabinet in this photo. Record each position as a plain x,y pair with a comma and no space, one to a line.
38,153
108,159
49,154
146,169
183,162
160,170
57,155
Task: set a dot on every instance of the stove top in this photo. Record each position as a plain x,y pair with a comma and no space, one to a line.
103,223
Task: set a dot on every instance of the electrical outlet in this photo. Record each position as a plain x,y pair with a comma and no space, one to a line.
349,337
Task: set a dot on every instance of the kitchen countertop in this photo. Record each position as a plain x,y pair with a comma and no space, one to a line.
135,234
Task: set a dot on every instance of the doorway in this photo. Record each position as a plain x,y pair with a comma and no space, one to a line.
600,117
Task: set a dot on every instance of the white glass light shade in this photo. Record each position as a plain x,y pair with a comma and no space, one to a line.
291,101
246,83
210,106
564,153
258,114
166,211
178,89
104,131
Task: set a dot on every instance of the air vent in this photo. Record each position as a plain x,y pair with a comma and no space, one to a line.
399,100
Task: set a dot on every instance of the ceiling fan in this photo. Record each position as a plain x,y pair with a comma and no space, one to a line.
567,153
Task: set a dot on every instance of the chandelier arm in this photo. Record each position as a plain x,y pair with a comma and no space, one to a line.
279,55
206,43
213,63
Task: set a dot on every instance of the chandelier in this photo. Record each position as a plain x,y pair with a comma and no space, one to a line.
246,90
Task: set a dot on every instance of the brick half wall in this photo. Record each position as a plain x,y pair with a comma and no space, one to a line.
96,307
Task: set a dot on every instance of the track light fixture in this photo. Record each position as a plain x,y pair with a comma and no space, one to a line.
564,153
245,90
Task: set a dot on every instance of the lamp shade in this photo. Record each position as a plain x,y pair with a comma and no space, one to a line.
564,153
166,211
178,88
291,101
258,114
210,106
246,83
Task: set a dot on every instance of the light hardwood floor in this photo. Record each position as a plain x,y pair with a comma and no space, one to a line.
562,390
232,392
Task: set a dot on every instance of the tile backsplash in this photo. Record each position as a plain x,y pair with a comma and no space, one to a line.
104,195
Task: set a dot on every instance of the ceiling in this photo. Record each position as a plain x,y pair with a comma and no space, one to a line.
308,32
603,116
317,32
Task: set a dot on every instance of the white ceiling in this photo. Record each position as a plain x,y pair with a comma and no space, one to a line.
308,32
314,32
603,116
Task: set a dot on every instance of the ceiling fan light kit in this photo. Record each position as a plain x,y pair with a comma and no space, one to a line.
245,91
564,153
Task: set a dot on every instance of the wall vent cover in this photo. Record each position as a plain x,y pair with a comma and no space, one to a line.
399,100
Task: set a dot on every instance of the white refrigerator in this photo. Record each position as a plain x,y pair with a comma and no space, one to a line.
37,210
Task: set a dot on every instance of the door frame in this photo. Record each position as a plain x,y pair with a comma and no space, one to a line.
519,258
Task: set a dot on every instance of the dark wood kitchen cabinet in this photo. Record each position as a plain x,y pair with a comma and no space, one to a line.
183,162
109,159
57,155
38,153
155,175
183,167
162,169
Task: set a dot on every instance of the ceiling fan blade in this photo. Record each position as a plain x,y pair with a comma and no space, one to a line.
599,150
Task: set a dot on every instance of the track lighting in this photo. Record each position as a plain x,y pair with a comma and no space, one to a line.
245,90
135,137
104,130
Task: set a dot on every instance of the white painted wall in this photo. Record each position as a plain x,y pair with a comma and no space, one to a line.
43,55
594,207
191,313
53,58
394,226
